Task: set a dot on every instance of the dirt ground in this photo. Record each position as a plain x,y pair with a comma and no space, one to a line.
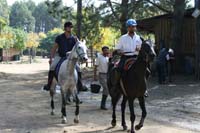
25,108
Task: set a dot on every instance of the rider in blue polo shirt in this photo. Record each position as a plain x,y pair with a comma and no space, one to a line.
63,43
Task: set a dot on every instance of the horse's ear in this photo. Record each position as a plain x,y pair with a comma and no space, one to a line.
142,39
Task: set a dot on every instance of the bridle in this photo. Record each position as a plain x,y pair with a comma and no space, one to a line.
78,52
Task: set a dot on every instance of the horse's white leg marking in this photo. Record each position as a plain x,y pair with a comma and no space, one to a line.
76,119
64,120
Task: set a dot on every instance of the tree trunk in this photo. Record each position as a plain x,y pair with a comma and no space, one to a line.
177,30
123,17
197,47
79,18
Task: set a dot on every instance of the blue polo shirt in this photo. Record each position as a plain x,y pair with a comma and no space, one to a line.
65,44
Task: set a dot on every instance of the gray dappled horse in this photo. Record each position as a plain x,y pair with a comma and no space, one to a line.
132,85
67,79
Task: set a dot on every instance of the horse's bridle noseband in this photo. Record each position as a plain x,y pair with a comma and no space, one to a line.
79,54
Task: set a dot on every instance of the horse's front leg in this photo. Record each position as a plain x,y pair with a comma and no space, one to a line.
123,107
144,113
115,99
132,117
52,92
76,119
63,108
52,103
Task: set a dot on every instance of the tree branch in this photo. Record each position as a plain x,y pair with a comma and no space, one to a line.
158,6
112,9
134,4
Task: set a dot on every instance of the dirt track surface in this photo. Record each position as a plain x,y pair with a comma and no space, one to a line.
24,108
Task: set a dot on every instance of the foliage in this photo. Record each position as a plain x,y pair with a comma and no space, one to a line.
58,10
91,25
32,40
7,38
44,21
12,38
21,17
30,5
42,35
47,42
4,14
108,38
115,13
4,10
20,39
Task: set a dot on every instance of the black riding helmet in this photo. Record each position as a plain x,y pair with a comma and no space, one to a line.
68,24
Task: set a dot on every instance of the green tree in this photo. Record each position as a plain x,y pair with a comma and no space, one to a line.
4,14
21,17
20,39
7,39
4,10
117,12
47,42
108,38
91,30
30,5
12,38
44,21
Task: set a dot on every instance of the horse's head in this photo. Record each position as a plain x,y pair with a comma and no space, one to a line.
147,50
80,51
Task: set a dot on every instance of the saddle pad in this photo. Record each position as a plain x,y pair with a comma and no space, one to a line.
128,63
58,66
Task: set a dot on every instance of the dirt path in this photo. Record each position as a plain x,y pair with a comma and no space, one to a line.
24,108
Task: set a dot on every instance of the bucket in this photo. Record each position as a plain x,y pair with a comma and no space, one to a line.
95,88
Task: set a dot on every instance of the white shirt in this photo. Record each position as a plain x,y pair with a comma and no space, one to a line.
102,63
129,44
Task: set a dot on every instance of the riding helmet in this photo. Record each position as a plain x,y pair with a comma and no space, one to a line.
131,22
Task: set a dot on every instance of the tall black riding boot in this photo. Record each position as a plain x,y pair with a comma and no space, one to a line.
103,102
79,84
50,79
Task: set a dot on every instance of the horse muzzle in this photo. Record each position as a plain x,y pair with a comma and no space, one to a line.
84,59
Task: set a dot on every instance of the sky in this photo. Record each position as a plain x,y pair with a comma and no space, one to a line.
68,2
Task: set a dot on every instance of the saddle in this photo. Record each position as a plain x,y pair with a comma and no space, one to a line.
58,66
128,63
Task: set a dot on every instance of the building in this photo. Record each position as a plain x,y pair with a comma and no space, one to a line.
161,27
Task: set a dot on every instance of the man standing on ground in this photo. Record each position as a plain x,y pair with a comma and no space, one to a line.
102,66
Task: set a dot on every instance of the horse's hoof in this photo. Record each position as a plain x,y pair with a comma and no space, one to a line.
125,128
129,131
64,121
113,123
76,121
52,113
138,127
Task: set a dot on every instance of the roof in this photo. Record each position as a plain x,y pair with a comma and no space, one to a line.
148,24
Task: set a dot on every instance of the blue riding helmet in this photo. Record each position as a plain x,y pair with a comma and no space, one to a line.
131,22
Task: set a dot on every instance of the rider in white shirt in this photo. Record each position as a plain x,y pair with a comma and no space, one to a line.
129,44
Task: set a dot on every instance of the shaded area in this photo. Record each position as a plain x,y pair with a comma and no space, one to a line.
25,108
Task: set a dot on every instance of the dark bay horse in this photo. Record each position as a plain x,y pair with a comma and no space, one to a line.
132,85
